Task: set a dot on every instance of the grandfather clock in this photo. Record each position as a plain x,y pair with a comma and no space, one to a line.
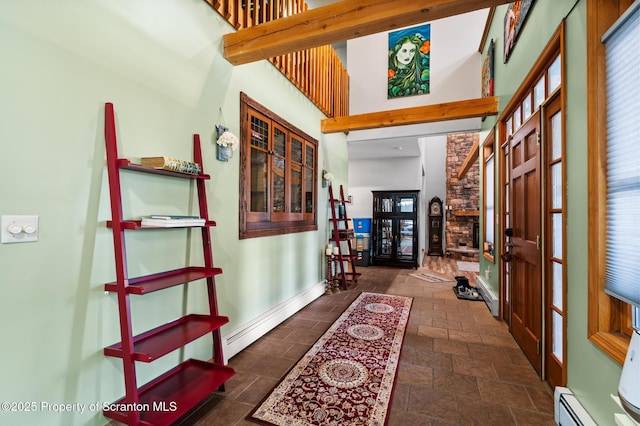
435,227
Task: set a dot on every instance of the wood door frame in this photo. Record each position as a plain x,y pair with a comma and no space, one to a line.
555,372
555,47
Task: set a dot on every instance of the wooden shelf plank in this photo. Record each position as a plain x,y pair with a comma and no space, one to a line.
169,397
125,163
148,283
466,213
162,340
136,225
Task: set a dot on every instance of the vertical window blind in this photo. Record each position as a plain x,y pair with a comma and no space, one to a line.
489,202
622,42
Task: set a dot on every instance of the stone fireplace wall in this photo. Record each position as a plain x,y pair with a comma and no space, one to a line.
463,195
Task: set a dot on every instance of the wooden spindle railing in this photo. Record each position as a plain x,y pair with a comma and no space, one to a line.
318,73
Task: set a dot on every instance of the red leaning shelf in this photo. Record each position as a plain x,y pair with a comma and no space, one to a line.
148,283
153,344
342,235
173,394
170,396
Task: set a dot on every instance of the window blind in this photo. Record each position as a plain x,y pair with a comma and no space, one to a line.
489,202
622,43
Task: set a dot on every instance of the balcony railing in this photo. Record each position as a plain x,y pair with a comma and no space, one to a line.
318,73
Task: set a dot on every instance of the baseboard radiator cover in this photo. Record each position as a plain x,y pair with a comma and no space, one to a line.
243,336
568,410
488,295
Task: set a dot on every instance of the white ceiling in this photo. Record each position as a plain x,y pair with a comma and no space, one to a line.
403,141
381,143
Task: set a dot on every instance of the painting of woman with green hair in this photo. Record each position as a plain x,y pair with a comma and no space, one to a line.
409,52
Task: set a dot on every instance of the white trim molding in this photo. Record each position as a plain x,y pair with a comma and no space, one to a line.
243,336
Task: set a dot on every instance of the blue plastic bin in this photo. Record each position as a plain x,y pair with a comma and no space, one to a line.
362,225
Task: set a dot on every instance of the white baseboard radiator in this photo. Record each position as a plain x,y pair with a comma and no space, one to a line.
488,295
243,336
568,410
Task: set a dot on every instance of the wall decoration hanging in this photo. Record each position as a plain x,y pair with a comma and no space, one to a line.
327,177
487,71
226,141
513,20
409,53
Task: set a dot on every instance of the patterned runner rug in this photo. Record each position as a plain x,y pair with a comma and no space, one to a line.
348,375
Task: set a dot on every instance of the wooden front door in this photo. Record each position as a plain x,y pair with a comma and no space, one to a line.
525,211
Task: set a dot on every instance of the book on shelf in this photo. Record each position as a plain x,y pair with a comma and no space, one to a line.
169,221
170,163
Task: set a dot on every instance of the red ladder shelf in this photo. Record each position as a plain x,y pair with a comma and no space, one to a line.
340,223
170,396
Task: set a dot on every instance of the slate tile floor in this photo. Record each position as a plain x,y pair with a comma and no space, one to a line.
459,365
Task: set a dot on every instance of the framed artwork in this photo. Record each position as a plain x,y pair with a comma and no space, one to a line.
487,71
513,21
409,52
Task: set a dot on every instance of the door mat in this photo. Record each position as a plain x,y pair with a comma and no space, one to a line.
348,375
463,290
467,293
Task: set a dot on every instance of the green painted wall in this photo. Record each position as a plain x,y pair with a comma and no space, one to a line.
161,65
592,375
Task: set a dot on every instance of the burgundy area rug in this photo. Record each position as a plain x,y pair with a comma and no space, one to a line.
348,375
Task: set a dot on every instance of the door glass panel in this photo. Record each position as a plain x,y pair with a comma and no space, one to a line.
278,184
405,243
406,205
556,234
555,75
517,119
556,136
507,282
506,171
557,285
296,150
309,174
296,188
526,107
507,194
296,176
258,180
279,142
538,93
308,158
386,205
556,186
259,133
385,246
308,190
557,335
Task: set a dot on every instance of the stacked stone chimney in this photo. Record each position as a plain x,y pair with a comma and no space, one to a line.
463,195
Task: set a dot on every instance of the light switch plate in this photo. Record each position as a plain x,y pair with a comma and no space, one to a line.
24,229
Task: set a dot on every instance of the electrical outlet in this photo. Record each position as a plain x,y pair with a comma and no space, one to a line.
18,229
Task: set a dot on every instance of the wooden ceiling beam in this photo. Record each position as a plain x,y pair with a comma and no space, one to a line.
336,22
481,107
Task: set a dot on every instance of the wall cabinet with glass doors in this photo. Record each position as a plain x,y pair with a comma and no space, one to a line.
277,174
395,228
